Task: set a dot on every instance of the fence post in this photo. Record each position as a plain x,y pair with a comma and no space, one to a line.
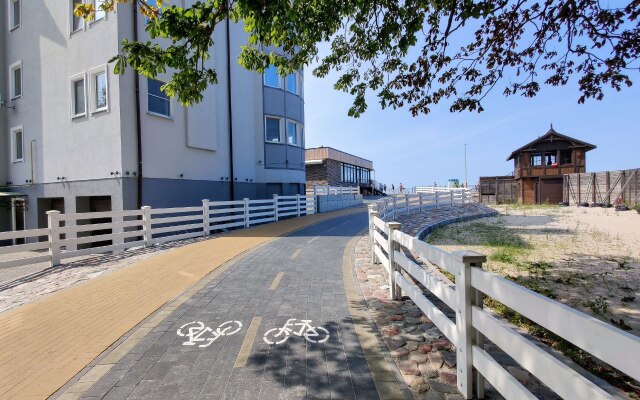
394,207
298,203
436,194
406,202
275,207
467,336
246,212
146,225
420,198
451,196
206,226
53,222
372,228
394,289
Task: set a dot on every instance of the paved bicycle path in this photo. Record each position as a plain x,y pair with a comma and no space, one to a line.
299,276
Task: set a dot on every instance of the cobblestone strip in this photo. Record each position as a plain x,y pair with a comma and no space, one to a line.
425,357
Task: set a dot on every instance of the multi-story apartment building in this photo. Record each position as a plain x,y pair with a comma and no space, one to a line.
76,137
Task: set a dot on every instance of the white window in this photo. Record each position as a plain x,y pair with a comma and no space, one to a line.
99,89
158,101
273,129
294,133
77,23
78,96
292,83
15,14
271,77
15,80
99,13
17,144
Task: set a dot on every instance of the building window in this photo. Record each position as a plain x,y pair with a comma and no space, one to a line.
15,14
271,77
565,157
272,129
536,159
78,96
99,12
17,144
550,159
292,83
77,23
294,133
99,90
15,80
159,102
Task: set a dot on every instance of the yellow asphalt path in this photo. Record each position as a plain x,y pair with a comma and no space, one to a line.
46,343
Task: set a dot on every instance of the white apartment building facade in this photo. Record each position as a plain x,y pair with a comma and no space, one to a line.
77,138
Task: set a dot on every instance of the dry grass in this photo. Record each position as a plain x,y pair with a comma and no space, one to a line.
585,258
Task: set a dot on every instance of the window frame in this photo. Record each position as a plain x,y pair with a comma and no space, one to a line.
264,78
93,73
281,125
13,132
72,18
95,7
551,159
533,157
12,83
72,95
168,99
298,127
11,14
563,153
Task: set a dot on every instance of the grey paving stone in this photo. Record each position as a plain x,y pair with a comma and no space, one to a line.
311,288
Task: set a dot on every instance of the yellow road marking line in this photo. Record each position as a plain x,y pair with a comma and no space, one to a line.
276,281
295,254
313,239
247,343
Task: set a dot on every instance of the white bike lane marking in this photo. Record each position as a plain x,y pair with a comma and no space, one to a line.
197,332
313,334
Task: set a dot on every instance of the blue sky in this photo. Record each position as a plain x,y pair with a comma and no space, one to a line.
430,148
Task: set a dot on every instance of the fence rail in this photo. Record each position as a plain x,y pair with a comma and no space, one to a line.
473,324
400,204
320,190
77,234
434,189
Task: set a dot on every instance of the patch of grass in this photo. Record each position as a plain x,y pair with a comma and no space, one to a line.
598,305
575,353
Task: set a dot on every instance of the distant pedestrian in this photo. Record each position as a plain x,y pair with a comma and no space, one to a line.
384,189
393,188
401,188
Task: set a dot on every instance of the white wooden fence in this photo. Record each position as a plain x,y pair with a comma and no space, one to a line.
472,323
390,207
320,190
434,189
78,234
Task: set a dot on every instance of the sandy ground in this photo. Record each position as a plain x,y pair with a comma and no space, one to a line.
22,285
587,258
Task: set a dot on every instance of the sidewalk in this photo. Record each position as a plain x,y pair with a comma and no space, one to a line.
46,343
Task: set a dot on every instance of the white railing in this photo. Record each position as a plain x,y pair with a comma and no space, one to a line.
78,234
472,323
320,190
434,189
392,206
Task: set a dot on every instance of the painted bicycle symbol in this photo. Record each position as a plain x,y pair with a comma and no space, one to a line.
313,334
197,332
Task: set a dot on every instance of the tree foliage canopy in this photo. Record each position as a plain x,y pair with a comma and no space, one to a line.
413,53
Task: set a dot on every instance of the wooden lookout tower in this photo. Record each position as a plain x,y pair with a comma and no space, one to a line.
538,171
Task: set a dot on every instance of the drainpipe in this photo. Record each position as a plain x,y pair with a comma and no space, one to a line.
138,126
230,108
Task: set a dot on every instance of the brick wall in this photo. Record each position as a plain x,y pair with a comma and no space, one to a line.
316,175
